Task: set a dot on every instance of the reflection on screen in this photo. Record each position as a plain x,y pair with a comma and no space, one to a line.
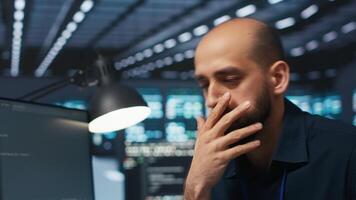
44,153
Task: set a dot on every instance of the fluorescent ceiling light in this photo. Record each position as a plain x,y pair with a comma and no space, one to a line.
39,71
200,30
328,37
310,11
158,48
72,26
130,60
178,57
18,25
274,1
17,34
185,37
19,15
312,45
221,20
123,63
66,34
78,17
62,40
87,5
298,51
159,63
16,42
147,53
245,11
14,71
118,65
285,23
347,28
139,56
20,4
168,60
170,43
189,53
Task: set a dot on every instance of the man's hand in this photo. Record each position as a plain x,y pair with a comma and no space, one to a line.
212,151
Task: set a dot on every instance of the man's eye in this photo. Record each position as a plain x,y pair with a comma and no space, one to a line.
231,79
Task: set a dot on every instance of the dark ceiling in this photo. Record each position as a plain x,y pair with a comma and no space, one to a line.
156,38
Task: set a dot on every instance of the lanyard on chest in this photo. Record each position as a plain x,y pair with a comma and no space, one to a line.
281,187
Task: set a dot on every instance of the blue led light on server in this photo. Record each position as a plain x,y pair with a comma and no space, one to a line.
76,104
176,132
153,97
184,106
328,105
155,103
136,133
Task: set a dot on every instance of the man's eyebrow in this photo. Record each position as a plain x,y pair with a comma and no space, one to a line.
228,70
225,71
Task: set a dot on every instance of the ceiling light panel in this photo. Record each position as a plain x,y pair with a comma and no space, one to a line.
17,32
66,34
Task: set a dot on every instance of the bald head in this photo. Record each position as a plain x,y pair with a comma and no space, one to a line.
247,37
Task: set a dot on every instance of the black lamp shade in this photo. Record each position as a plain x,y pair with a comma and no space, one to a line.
114,107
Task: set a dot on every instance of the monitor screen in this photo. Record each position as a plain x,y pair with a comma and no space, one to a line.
324,104
44,152
151,129
159,150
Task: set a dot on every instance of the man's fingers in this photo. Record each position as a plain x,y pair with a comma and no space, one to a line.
225,122
200,122
200,125
239,134
217,111
239,150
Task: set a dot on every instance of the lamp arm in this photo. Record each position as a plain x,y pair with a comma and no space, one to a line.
78,78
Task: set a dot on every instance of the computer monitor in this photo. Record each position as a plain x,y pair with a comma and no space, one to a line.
159,150
44,152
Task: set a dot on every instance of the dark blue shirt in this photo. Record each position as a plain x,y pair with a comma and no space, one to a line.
315,160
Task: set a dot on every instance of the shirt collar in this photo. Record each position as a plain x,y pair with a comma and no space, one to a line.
292,145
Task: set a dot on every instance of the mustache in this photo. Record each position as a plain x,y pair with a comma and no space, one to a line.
227,110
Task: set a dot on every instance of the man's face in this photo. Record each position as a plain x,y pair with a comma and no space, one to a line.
224,69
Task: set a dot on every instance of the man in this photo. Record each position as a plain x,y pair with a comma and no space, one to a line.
255,144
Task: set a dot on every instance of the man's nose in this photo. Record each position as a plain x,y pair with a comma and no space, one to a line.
213,95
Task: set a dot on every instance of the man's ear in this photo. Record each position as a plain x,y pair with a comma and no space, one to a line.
279,76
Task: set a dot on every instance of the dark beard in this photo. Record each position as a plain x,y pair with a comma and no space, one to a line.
259,113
